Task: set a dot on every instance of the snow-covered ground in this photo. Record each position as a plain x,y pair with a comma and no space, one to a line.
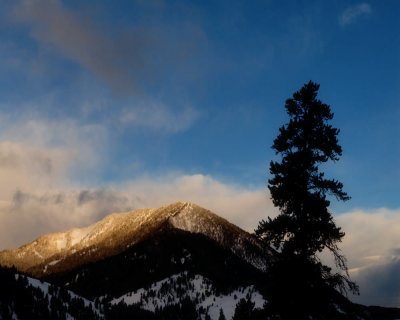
174,289
44,287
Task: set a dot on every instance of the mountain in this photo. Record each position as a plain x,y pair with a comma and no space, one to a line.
179,261
200,257
117,232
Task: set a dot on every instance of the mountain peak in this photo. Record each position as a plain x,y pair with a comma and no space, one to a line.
119,231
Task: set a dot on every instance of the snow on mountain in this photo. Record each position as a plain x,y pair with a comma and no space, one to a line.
195,219
60,251
43,248
57,301
174,289
44,287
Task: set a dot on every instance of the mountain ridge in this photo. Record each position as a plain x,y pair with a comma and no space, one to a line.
116,232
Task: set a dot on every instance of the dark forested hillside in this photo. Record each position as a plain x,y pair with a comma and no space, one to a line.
169,251
22,297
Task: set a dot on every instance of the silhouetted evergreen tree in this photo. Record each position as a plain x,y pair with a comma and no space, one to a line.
304,227
221,315
244,310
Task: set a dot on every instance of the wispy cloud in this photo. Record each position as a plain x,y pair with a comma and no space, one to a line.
128,58
370,236
39,154
158,117
353,13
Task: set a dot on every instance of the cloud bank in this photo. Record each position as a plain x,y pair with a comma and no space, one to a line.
372,245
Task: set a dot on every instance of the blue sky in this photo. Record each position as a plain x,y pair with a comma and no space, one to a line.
106,106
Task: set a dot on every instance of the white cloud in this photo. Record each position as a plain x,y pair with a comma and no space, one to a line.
62,143
372,245
37,158
370,236
353,13
64,133
40,160
242,206
24,166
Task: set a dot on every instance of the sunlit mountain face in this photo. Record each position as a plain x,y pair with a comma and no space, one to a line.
119,231
179,261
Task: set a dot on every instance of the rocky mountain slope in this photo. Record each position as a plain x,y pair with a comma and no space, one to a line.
63,251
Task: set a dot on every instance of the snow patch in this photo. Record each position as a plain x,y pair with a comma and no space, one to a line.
44,287
54,262
37,254
76,235
61,243
174,289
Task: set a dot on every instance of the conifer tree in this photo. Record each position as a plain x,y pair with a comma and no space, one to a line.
305,226
244,310
221,315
